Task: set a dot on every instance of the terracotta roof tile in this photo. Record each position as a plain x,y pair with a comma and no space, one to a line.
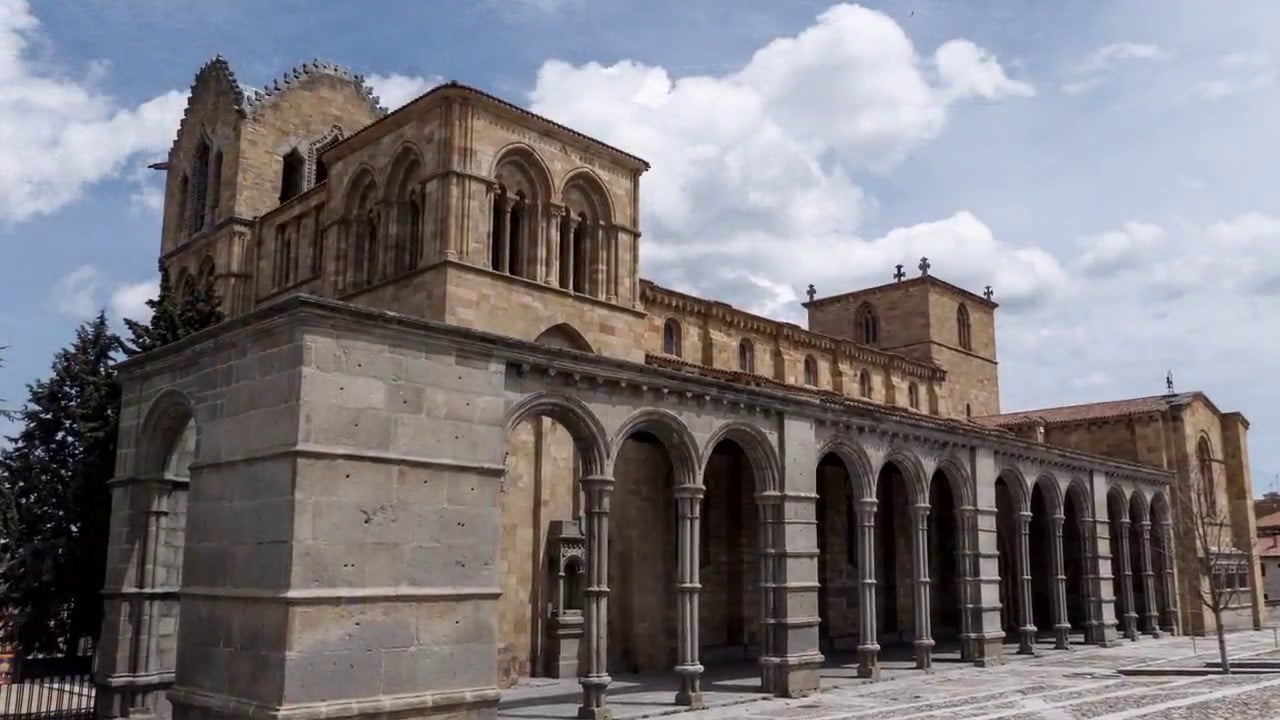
1269,521
1269,546
1088,411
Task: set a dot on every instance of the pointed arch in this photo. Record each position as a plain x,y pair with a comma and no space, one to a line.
564,335
759,450
672,432
964,331
589,436
856,463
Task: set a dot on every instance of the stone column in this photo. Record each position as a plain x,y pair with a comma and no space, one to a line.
967,530
868,640
920,553
551,267
688,587
1027,629
595,683
503,231
1170,586
1126,584
1061,627
571,239
1149,581
1087,589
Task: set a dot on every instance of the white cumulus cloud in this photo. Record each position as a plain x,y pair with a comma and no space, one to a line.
396,90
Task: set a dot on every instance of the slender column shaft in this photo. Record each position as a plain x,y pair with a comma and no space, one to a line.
1061,627
966,522
571,255
595,682
1149,581
688,668
868,640
502,232
551,259
1126,583
920,551
1170,587
1026,621
1087,590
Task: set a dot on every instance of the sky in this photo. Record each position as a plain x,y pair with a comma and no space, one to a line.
1108,167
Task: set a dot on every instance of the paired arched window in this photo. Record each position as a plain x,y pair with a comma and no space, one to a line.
864,384
810,371
671,338
746,356
913,396
1204,467
510,231
963,331
405,180
867,329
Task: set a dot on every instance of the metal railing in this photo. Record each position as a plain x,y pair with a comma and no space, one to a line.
53,697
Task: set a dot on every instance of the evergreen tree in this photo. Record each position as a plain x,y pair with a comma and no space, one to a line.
175,314
54,475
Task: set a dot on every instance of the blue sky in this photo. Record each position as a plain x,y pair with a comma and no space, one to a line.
1109,167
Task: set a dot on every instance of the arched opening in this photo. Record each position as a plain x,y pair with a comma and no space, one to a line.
588,236
200,177
1040,541
810,371
731,630
1162,561
746,356
671,338
839,593
1075,545
551,445
963,330
579,254
215,186
404,182
564,336
864,384
522,191
293,175
945,572
362,230
913,396
1118,517
1008,507
895,593
1208,488
1138,563
867,325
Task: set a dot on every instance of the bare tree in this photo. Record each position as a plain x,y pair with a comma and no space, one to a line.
1226,569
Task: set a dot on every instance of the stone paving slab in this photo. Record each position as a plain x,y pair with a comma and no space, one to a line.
1081,684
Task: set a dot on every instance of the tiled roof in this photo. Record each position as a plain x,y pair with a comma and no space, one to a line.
1089,411
1269,546
1271,521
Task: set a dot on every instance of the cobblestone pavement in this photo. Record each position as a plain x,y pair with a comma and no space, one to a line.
1055,685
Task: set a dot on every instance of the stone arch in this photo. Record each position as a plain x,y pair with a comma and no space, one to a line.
1019,488
912,471
207,269
519,167
1139,509
167,419
856,463
755,443
867,324
1078,490
1160,512
960,482
564,335
674,435
406,161
589,435
1052,490
361,189
584,191
1117,502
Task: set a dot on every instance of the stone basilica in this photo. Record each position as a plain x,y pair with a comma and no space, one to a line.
448,439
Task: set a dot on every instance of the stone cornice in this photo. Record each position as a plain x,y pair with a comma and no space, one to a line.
305,312
653,295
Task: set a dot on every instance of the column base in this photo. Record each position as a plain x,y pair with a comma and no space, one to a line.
690,693
869,661
595,701
1131,629
791,677
1062,637
968,649
924,655
1027,641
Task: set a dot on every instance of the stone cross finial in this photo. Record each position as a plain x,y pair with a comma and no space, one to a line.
924,266
899,275
1168,382
811,292
988,292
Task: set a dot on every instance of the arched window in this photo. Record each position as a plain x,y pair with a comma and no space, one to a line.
215,186
293,175
405,181
746,356
200,182
864,384
810,371
962,327
413,227
184,224
868,327
579,247
671,338
1204,467
913,396
518,230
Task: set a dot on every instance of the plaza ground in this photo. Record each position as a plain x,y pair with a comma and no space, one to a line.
1085,682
